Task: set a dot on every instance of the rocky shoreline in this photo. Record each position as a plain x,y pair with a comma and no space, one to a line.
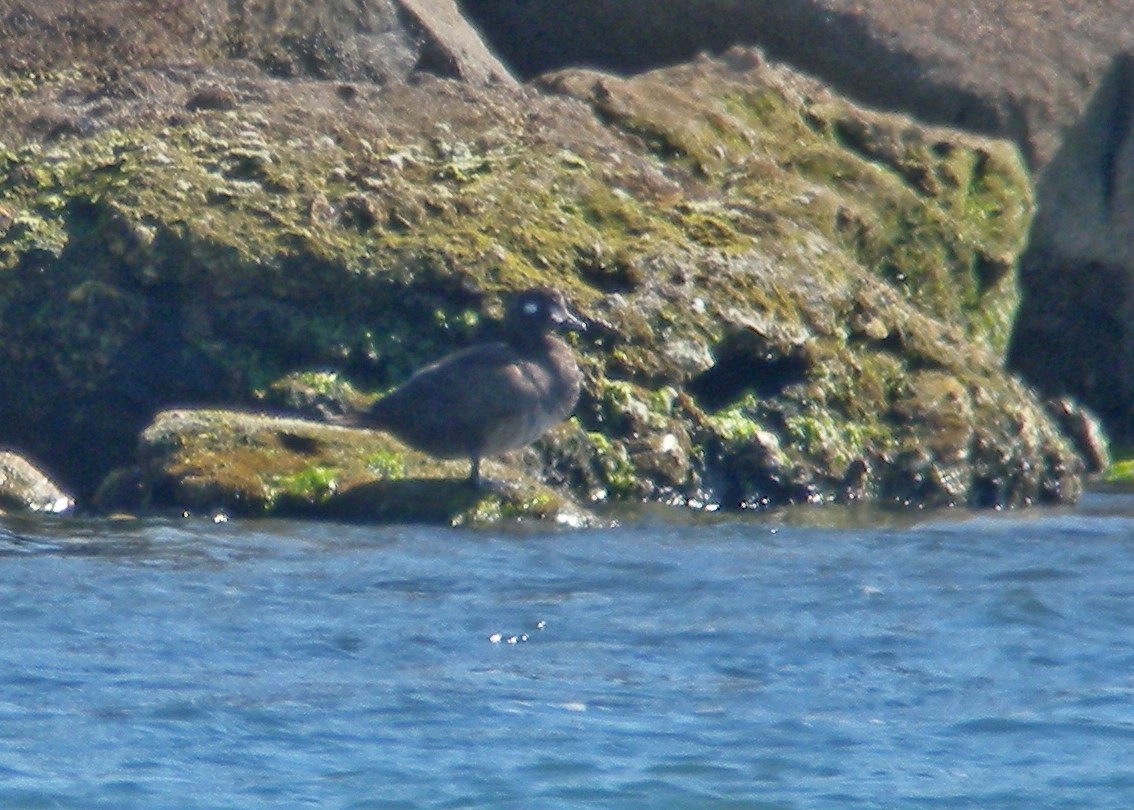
794,299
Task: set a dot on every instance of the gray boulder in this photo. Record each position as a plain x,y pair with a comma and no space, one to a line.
379,41
1018,70
1074,333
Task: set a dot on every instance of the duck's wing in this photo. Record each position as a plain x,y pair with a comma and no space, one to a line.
474,402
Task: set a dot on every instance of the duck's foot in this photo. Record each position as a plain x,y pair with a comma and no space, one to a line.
487,486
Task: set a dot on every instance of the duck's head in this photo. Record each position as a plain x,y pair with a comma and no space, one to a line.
540,310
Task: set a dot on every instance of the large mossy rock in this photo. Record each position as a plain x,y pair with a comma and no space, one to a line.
791,298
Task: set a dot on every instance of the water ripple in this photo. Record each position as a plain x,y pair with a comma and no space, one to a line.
956,661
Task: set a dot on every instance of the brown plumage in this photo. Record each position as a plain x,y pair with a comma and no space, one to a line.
492,397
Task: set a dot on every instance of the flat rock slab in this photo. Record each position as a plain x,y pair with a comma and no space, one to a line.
248,464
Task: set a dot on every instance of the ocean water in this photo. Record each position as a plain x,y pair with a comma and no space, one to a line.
822,659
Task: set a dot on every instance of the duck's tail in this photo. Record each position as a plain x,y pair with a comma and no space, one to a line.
352,419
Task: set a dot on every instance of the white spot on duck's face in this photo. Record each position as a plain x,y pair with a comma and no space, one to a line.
530,308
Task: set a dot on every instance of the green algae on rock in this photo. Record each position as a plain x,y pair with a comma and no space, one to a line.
792,299
248,464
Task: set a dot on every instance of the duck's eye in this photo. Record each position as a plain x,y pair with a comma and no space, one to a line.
531,308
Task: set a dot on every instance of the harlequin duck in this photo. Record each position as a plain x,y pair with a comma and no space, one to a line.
492,397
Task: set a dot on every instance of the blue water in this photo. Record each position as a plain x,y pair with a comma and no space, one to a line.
797,660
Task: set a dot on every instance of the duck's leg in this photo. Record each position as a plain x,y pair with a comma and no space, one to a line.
474,472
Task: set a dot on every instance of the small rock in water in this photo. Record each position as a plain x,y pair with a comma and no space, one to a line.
24,487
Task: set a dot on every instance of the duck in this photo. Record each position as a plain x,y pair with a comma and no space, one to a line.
489,398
